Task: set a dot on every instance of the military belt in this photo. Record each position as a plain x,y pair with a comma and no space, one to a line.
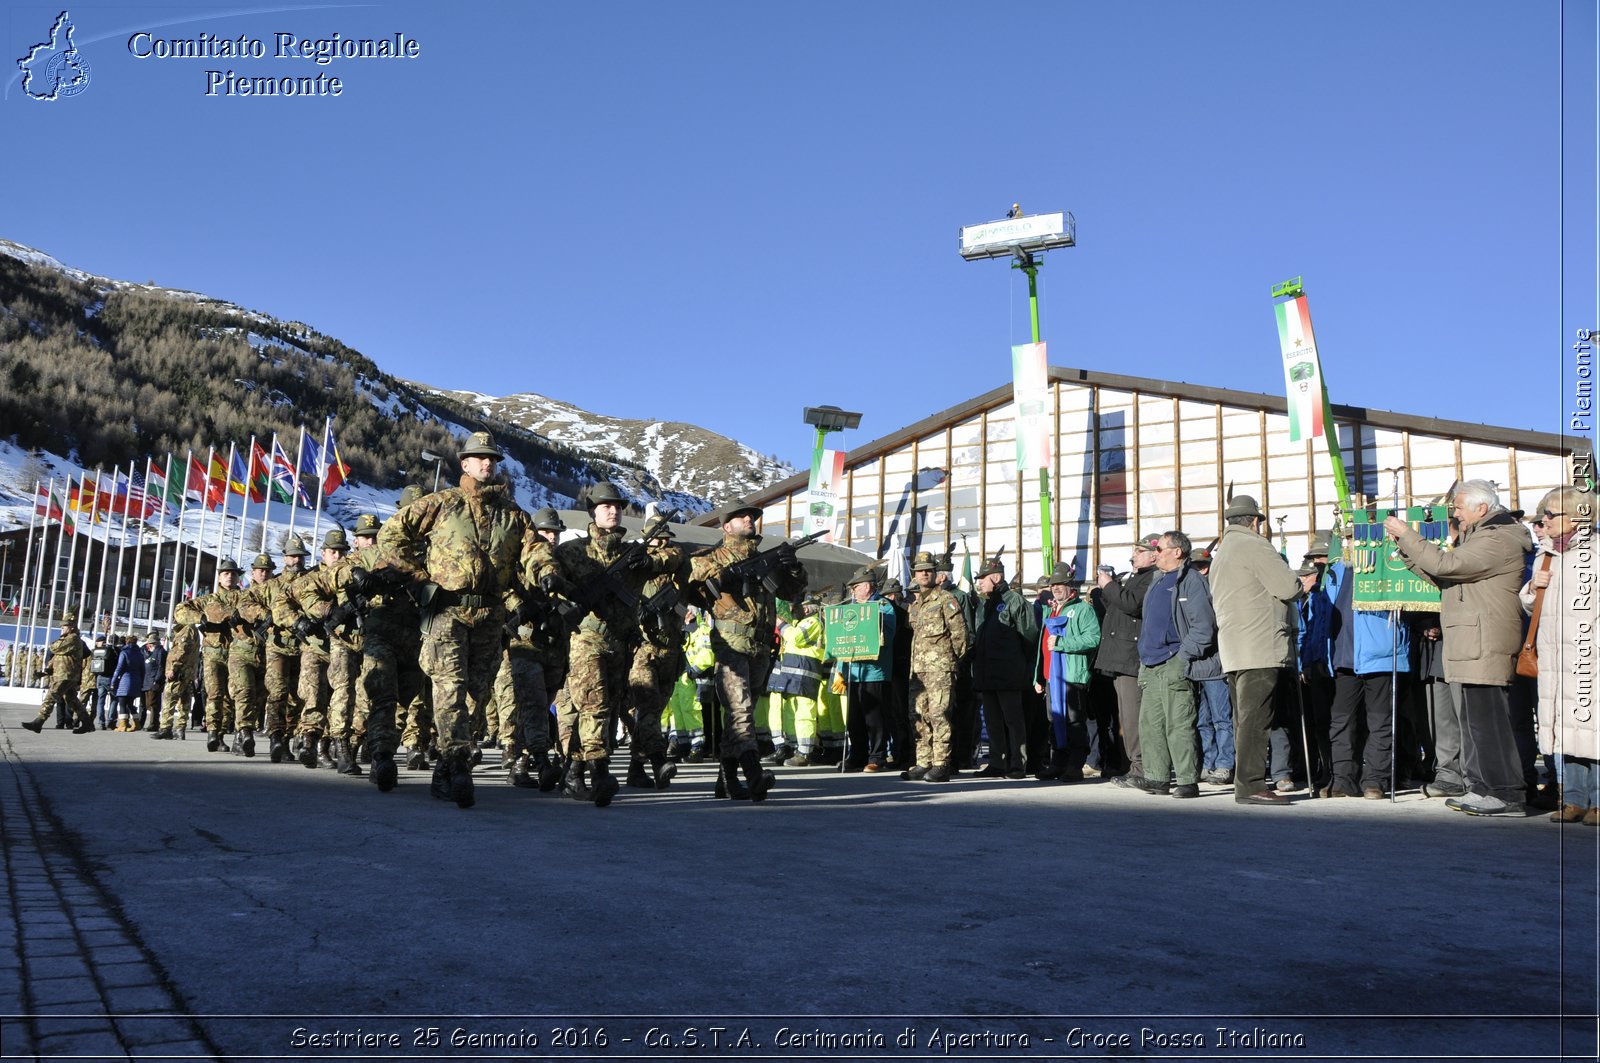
730,627
444,599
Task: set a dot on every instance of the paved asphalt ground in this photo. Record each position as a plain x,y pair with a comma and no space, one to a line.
163,902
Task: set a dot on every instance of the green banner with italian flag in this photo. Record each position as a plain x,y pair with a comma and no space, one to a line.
1302,371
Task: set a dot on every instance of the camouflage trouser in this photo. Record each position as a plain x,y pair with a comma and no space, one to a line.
282,675
654,673
219,706
461,661
933,704
175,703
737,679
519,704
344,669
314,693
244,688
64,693
418,732
597,683
389,675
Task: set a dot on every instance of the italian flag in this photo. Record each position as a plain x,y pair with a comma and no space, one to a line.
1302,371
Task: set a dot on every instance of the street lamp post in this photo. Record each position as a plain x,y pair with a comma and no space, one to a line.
438,466
819,499
1021,237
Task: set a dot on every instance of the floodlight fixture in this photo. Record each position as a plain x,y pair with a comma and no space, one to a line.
438,465
831,418
1018,237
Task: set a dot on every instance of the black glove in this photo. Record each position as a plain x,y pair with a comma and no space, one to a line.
640,559
340,616
305,629
361,582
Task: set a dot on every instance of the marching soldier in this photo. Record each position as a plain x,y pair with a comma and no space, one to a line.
282,671
229,616
601,650
534,663
365,592
316,595
743,618
657,663
314,690
464,547
938,642
183,660
65,658
416,718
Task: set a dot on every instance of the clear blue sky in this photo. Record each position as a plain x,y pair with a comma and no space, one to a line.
721,212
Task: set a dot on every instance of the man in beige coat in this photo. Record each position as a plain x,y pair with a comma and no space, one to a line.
1251,588
1481,618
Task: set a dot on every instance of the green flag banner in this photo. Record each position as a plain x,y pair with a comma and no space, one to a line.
852,631
1382,580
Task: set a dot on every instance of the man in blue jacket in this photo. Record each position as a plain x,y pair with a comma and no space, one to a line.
1365,646
1177,648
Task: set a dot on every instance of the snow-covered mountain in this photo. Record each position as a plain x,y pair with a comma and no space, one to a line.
681,457
554,449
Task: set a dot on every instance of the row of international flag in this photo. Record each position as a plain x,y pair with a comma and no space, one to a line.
253,471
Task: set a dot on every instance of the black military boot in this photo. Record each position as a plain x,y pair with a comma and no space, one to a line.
384,772
213,741
355,750
247,743
937,773
663,770
36,726
363,751
277,748
85,727
461,788
760,780
417,761
325,749
605,784
549,775
576,783
440,786
308,752
637,778
728,782
164,734
517,771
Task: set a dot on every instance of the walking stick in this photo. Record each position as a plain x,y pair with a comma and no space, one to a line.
1305,737
1394,705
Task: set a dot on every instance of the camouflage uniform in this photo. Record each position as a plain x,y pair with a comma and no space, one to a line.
531,668
282,670
67,658
743,629
938,642
467,541
391,672
600,654
316,594
230,660
657,663
183,661
312,689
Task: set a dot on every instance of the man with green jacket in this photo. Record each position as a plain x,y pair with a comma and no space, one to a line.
1061,673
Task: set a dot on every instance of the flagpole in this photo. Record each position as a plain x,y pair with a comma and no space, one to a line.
244,501
27,564
294,488
222,532
38,578
105,556
322,474
72,556
122,546
178,546
200,534
161,528
266,511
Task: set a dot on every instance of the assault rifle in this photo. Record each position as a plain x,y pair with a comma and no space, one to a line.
759,569
609,584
